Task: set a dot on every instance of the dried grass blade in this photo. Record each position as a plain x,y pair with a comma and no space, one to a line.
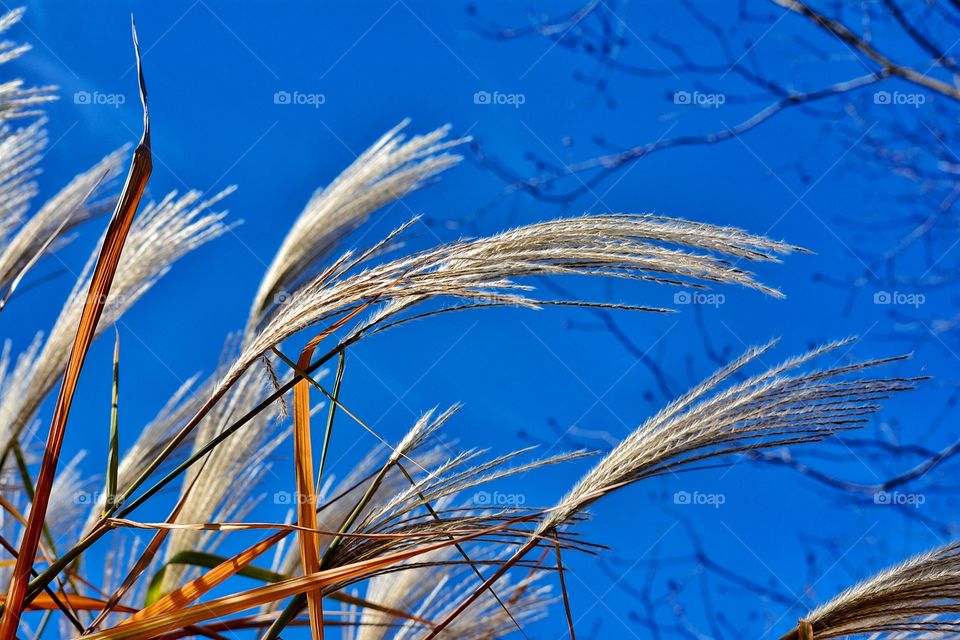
44,602
48,592
48,551
236,603
259,526
142,562
306,498
227,432
201,585
206,561
212,561
346,598
563,585
10,508
100,284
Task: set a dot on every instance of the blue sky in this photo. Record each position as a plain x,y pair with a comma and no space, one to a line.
213,70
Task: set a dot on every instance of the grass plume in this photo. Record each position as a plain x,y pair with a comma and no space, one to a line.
397,543
916,598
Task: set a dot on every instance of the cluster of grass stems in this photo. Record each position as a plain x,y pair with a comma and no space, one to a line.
396,546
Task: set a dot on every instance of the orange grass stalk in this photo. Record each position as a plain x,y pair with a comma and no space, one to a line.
103,274
306,499
157,625
199,586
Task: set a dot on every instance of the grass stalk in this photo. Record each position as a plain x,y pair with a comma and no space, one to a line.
96,300
113,454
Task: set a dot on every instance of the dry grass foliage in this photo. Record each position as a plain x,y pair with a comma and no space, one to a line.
395,549
914,599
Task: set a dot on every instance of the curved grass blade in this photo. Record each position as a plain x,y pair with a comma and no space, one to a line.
563,585
44,602
143,561
212,561
205,561
199,586
97,295
228,605
306,498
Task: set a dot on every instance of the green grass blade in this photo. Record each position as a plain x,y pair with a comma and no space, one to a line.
341,361
113,457
204,561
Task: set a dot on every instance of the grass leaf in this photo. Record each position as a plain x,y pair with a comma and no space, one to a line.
306,497
97,295
206,561
113,456
201,585
228,605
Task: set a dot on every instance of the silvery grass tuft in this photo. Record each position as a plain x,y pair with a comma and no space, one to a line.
165,232
389,169
918,598
780,406
394,547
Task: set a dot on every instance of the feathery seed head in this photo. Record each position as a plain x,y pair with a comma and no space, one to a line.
773,408
391,168
918,596
161,234
482,272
